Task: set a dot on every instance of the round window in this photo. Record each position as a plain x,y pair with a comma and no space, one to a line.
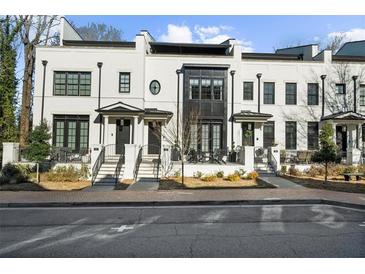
155,87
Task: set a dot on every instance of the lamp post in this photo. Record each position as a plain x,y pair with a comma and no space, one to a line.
44,63
178,71
323,77
354,78
232,110
258,75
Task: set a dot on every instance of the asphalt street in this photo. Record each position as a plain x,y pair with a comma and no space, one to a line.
183,231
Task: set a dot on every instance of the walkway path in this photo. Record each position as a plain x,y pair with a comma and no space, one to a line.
280,182
145,184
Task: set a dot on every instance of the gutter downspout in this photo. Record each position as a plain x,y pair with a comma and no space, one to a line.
100,64
44,63
232,109
258,75
355,78
178,71
323,77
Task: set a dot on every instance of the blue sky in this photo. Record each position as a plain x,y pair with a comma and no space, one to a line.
256,33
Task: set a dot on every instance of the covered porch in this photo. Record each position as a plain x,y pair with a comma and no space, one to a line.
348,136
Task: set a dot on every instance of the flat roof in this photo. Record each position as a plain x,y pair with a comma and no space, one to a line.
86,43
271,56
189,48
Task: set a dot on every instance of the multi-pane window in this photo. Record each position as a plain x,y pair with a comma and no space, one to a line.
341,88
312,132
291,93
206,89
124,82
247,90
72,83
71,131
269,134
194,88
313,94
269,93
362,95
218,89
216,137
290,135
194,137
59,133
205,137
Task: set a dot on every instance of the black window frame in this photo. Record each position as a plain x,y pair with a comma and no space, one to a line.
66,119
291,99
191,92
221,92
344,88
312,98
312,136
266,102
269,141
362,96
248,95
209,88
128,84
288,144
66,84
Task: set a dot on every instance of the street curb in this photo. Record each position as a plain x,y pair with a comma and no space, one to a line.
186,203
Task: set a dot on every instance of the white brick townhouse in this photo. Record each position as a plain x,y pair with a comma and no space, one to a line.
94,94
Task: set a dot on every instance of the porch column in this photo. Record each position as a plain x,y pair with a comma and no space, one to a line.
106,131
134,131
353,154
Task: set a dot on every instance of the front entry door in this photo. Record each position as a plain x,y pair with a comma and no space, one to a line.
122,135
248,136
341,138
154,137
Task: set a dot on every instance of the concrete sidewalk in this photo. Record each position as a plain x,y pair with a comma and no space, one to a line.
176,197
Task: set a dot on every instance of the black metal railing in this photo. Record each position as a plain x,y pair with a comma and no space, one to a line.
156,164
66,155
219,156
98,163
273,163
118,168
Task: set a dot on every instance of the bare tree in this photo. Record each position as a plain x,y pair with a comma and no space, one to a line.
99,32
36,30
180,140
336,42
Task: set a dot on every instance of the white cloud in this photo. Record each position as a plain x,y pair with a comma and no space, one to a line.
177,34
350,35
202,34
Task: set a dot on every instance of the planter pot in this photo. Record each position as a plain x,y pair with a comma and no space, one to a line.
233,157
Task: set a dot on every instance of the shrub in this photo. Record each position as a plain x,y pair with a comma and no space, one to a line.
284,169
39,148
252,175
335,170
314,171
209,178
13,174
241,172
220,174
293,171
234,177
177,174
84,172
64,174
361,168
350,169
198,175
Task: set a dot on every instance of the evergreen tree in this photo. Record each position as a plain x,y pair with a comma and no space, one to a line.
328,148
39,147
9,29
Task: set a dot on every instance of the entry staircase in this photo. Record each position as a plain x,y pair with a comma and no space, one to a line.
262,163
147,167
109,167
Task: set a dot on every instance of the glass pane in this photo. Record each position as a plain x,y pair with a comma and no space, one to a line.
84,134
362,95
218,89
85,84
216,137
194,137
291,135
124,82
312,135
194,88
205,138
71,138
60,130
206,89
269,93
248,91
72,83
313,94
60,83
291,93
269,134
341,88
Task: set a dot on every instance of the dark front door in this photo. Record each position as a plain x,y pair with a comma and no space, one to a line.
122,135
341,138
248,136
154,137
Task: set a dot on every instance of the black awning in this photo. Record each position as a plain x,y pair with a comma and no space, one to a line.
250,116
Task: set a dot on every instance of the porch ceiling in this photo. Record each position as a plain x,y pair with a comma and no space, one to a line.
250,116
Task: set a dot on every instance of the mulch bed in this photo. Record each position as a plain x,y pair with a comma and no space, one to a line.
351,186
219,183
45,186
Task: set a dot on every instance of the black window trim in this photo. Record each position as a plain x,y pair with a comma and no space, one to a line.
344,88
274,84
317,95
286,94
296,135
310,137
360,87
78,81
129,83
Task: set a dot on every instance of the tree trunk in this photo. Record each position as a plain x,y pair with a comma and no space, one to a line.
326,172
26,94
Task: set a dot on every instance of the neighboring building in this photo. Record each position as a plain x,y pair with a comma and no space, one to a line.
275,98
